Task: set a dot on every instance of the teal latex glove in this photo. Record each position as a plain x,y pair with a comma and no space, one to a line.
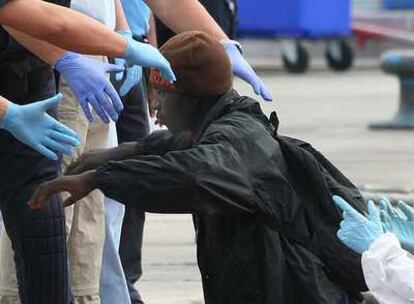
401,225
357,231
145,55
31,125
133,73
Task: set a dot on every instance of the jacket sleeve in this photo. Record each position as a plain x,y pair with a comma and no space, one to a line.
389,271
204,179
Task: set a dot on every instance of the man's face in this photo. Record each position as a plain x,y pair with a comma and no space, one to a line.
175,111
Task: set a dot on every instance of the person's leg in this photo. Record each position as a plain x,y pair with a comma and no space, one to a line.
131,250
1,224
8,286
37,237
132,126
85,220
113,285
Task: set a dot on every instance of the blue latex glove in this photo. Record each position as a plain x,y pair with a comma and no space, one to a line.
88,80
401,226
243,70
133,73
31,125
357,231
145,55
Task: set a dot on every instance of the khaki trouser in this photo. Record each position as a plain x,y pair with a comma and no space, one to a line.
85,221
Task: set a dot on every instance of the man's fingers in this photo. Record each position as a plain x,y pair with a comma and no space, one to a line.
113,95
98,108
373,213
345,207
40,197
86,110
387,207
107,106
64,139
113,68
49,103
265,93
58,147
167,72
134,76
119,75
407,210
386,221
46,152
384,216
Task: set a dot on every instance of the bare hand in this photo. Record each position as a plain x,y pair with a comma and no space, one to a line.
78,187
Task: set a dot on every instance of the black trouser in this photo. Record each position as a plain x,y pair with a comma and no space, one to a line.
133,125
38,237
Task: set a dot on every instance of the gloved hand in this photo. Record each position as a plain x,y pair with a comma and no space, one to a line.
402,227
358,232
88,80
33,126
145,55
133,73
243,70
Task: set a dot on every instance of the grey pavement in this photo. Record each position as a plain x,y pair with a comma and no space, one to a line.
331,111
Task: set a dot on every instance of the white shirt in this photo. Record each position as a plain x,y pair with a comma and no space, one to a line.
389,271
100,10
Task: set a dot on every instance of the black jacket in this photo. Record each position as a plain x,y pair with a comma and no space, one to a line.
233,179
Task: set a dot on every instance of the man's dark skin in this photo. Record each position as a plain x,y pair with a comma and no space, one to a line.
175,111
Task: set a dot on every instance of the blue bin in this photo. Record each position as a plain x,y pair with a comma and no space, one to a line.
312,19
398,4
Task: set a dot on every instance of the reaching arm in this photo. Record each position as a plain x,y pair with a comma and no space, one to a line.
205,179
189,15
63,27
42,49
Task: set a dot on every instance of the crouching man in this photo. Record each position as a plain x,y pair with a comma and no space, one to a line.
220,162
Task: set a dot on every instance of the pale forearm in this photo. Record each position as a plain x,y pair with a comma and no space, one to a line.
3,106
187,15
45,51
62,27
121,22
152,33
